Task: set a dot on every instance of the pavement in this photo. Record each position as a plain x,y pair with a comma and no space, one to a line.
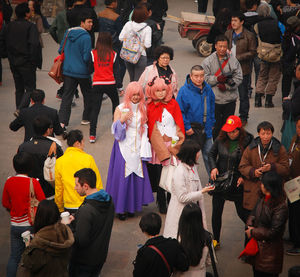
127,235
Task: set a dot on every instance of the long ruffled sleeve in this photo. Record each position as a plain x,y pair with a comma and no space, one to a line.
119,130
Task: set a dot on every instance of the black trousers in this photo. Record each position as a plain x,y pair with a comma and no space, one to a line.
294,222
222,112
25,82
263,274
70,85
218,201
96,102
202,6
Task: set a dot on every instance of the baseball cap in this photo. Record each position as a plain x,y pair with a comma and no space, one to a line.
232,123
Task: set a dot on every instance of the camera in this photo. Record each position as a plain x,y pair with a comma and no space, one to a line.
229,80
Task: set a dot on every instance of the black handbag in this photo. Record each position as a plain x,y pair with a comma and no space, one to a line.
199,135
223,182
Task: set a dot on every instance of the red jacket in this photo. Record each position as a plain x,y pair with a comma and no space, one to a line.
15,195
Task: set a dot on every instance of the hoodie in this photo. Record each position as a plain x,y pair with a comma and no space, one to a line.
49,252
191,102
92,230
77,51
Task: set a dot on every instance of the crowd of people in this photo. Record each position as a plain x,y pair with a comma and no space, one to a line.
160,131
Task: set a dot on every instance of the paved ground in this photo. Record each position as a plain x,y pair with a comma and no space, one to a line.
126,235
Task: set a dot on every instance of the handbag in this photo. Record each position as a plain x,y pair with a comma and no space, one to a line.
49,165
223,182
167,174
33,203
199,135
56,71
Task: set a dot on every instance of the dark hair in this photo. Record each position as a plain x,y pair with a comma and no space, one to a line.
297,119
265,125
273,183
163,49
223,19
37,96
223,136
41,124
104,46
73,136
140,14
69,3
197,68
221,38
188,151
191,232
250,3
150,224
47,214
21,10
86,176
294,271
83,16
22,162
108,2
36,7
239,15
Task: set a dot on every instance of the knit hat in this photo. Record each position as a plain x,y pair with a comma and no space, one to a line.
293,21
232,123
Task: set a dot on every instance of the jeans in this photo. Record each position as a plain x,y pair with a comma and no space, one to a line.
205,150
70,85
25,82
136,70
218,202
96,102
222,112
244,98
17,247
80,270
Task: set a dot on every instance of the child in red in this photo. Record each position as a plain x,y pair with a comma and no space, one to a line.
15,199
104,79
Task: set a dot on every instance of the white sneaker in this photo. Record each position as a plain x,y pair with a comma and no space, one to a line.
85,122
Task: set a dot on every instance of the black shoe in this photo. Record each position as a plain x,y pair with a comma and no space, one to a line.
130,214
162,209
258,100
269,103
122,217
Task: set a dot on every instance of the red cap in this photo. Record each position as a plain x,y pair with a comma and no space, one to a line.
232,123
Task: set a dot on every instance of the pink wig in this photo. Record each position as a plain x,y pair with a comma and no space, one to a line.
132,88
158,84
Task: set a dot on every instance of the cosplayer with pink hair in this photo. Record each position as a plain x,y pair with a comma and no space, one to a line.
128,181
165,125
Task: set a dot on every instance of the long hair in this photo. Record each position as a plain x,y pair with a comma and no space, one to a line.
104,46
47,214
188,152
157,84
132,88
225,139
191,232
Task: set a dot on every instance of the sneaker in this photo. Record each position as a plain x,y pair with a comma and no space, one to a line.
293,252
92,139
216,244
85,122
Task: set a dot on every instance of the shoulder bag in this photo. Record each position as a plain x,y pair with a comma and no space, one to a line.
56,71
162,256
33,203
167,174
49,165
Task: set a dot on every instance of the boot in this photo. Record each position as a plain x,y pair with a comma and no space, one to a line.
258,99
269,103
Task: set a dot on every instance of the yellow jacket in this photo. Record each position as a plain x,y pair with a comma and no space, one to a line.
71,161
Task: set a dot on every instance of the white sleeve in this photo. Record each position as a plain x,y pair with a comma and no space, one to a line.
124,31
148,36
93,59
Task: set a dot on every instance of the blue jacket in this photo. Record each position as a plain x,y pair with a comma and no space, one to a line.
191,99
77,50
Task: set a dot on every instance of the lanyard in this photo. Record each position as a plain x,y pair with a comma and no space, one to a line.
259,153
292,149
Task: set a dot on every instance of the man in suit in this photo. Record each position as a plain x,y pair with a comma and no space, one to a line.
28,115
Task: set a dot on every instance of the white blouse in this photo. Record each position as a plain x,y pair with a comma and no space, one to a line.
167,125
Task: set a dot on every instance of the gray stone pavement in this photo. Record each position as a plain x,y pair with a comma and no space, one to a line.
126,235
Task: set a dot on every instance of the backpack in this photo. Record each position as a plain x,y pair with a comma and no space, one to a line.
132,47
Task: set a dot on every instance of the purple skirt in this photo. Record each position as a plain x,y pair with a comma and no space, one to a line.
130,193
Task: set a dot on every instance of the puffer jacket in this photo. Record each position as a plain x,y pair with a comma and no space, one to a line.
220,158
250,161
268,219
49,252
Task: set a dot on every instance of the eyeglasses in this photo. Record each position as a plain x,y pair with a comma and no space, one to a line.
165,58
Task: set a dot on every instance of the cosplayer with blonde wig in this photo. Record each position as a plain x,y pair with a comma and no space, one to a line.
128,181
166,132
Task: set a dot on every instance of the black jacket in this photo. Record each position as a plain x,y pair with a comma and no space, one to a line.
159,9
149,263
269,31
295,103
27,116
92,229
39,147
20,42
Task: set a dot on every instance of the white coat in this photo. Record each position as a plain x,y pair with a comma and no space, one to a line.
186,188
